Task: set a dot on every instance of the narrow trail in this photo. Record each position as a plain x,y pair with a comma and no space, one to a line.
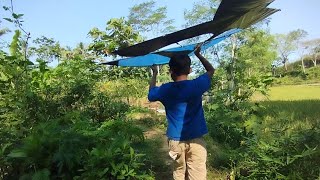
163,167
155,146
162,164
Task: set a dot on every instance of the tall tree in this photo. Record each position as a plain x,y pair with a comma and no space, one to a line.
288,43
118,34
246,61
151,20
313,47
201,11
257,51
146,17
302,51
46,49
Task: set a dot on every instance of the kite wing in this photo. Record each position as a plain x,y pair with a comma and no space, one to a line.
163,57
231,14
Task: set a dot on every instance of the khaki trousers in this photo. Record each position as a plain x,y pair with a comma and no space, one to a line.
189,159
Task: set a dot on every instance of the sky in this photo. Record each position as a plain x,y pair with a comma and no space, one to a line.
69,21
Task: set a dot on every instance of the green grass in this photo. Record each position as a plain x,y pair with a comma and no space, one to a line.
291,93
297,110
297,122
291,116
291,106
156,157
291,109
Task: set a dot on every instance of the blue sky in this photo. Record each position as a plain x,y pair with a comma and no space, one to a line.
69,21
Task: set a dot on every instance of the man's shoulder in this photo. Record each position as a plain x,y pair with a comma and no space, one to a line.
161,88
166,85
203,76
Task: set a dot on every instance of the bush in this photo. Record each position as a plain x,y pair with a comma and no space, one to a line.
311,75
66,149
57,124
284,145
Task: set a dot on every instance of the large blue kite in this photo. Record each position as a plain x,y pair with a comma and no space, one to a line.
231,17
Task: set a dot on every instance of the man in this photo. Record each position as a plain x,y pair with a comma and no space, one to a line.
182,100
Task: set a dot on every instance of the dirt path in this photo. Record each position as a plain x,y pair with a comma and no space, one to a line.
155,146
162,164
152,122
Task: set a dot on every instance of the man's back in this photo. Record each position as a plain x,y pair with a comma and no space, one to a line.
183,104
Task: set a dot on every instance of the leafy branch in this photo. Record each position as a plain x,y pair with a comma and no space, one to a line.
17,20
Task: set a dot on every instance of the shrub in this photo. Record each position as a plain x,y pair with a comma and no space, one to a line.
67,149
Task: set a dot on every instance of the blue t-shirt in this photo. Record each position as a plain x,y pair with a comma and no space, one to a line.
183,104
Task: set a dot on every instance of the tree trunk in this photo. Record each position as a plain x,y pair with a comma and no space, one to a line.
233,54
232,73
285,61
315,60
302,65
273,70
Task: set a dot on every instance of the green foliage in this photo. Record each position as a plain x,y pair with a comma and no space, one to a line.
73,147
100,107
71,122
54,122
290,93
279,159
15,47
118,34
260,142
257,51
123,79
14,90
230,105
285,143
47,49
313,73
115,73
4,31
96,167
278,140
226,121
288,43
201,11
15,18
295,76
119,89
146,17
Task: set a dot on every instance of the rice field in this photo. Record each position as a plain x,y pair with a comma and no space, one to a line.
291,93
292,103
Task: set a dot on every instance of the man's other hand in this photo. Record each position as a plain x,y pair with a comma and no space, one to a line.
154,69
197,50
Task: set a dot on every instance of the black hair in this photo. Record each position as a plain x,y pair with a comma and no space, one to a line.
180,64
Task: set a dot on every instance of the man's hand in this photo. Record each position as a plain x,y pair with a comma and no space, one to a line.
209,68
154,69
197,50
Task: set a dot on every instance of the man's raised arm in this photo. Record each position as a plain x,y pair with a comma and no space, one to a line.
153,80
209,68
